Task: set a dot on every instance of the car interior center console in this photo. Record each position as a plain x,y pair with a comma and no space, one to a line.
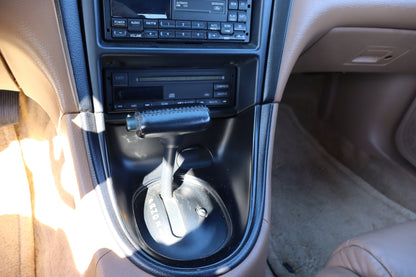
181,159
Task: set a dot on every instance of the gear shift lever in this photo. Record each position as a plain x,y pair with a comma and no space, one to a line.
169,125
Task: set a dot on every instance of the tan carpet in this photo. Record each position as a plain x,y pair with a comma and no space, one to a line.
16,224
52,194
317,203
36,198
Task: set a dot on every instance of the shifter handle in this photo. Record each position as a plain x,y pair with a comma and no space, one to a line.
175,120
169,125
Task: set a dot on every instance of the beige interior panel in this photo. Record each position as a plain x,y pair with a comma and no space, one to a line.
70,230
361,50
255,263
50,178
110,264
6,81
31,42
311,19
95,249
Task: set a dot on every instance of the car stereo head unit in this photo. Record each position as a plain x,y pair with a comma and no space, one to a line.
135,89
177,20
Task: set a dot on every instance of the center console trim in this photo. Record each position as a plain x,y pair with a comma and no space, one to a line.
255,53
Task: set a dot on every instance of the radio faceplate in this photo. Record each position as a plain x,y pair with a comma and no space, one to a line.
177,20
134,89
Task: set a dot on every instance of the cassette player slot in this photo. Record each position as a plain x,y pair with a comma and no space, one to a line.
194,21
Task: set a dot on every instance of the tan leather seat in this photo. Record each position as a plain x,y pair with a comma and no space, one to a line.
388,252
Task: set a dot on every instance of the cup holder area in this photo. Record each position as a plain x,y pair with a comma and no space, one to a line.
203,223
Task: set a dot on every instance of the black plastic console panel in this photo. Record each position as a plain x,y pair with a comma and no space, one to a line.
230,143
239,156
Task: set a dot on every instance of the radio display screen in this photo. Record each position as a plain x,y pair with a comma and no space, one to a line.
210,6
156,9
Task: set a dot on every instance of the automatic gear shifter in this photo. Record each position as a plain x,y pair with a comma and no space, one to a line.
182,212
169,125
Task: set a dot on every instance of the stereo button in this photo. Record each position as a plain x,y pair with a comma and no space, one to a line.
240,27
135,25
119,33
199,35
183,24
214,35
221,86
214,26
242,16
166,103
240,36
185,102
150,34
233,5
227,28
119,22
183,34
149,23
132,106
232,16
167,34
218,8
221,94
167,24
225,37
242,5
120,79
136,35
213,102
200,25
224,102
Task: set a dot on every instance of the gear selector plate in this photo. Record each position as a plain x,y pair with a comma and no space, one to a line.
203,217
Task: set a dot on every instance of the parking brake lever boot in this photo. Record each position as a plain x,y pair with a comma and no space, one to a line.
169,125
